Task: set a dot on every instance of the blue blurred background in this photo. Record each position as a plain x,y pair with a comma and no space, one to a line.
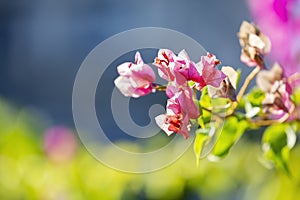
43,43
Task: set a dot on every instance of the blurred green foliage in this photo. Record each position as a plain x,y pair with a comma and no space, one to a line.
232,131
28,173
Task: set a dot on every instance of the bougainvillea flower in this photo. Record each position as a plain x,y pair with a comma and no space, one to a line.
277,101
136,79
280,20
210,74
186,68
175,120
184,95
266,78
180,109
162,61
278,91
228,86
178,69
254,44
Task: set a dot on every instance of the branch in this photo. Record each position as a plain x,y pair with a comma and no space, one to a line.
273,121
243,90
160,87
247,82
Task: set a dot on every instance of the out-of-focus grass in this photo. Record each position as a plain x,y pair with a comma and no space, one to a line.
27,172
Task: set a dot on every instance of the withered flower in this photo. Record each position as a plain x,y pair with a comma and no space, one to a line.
254,44
266,78
277,101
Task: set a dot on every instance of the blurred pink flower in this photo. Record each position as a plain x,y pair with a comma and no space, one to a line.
266,78
280,20
273,82
277,101
60,143
136,79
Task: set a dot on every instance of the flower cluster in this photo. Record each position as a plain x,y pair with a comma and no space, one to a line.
278,91
184,77
274,101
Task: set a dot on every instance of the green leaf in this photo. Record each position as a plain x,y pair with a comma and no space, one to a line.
201,121
232,131
204,102
255,97
218,106
201,137
278,140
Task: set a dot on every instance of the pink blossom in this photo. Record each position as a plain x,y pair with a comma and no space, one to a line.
180,69
280,20
136,79
180,109
162,61
184,95
174,120
210,74
187,68
174,68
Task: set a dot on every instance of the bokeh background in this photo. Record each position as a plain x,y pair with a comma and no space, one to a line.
42,45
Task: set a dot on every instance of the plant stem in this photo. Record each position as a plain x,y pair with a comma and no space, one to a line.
194,94
243,90
247,82
160,87
207,109
273,121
